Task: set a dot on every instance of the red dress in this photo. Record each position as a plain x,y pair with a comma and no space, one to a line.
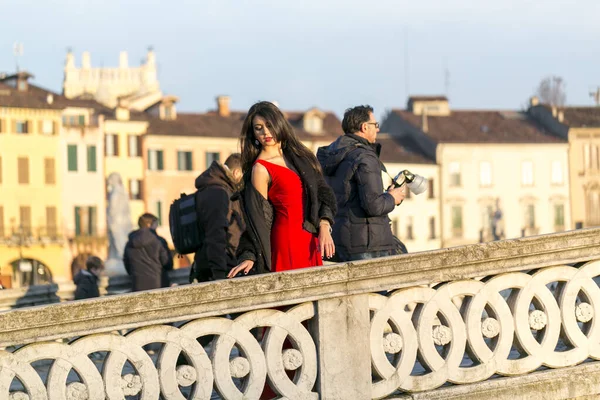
292,247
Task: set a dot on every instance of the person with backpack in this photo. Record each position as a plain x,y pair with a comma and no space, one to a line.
219,219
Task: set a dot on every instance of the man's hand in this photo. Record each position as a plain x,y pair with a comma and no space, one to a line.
245,266
398,194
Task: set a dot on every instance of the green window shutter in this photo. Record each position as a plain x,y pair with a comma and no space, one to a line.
180,161
77,221
159,160
92,221
159,212
188,160
91,160
72,157
82,120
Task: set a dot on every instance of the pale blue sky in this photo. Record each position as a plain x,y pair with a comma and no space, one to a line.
326,53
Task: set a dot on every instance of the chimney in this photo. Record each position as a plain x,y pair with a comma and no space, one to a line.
534,101
123,63
561,116
49,98
554,111
425,124
223,106
86,61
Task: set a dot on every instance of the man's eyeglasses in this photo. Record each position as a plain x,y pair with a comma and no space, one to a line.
373,123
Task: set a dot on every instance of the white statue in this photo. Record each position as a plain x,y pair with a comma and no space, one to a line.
119,224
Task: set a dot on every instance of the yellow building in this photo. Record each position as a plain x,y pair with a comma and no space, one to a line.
581,127
32,248
502,175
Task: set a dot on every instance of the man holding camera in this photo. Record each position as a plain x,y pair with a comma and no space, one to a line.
351,166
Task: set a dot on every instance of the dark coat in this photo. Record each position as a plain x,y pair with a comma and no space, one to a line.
145,258
352,167
319,203
87,285
220,223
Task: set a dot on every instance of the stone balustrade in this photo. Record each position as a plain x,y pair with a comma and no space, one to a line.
494,319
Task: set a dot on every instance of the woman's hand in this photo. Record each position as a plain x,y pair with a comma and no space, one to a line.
245,266
325,240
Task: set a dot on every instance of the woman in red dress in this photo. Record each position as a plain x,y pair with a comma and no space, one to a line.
288,206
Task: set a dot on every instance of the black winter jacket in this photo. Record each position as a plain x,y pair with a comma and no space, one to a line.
319,203
220,223
352,168
87,285
145,258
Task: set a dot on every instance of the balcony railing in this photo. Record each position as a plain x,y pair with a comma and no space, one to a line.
422,325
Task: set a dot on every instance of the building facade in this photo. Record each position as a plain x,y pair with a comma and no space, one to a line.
581,127
502,174
417,220
32,247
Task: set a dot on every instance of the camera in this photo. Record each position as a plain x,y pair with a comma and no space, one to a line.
416,183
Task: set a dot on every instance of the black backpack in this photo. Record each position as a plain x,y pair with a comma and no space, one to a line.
183,221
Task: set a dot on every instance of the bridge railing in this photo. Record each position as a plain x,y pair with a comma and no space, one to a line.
447,323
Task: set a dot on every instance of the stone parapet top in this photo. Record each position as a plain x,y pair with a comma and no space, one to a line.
218,298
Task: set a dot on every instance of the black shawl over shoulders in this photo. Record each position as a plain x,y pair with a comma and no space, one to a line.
319,203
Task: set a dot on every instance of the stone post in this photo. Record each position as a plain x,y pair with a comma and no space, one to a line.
342,334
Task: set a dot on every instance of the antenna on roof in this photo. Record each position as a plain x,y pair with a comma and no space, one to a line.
406,71
446,78
18,52
596,96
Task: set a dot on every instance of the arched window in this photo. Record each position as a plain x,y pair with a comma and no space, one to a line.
30,272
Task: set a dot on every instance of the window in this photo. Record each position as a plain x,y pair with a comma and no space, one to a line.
155,160
485,173
431,227
486,233
23,170
559,217
91,158
169,112
135,189
454,169
409,228
51,221
430,190
530,216
593,207
591,158
47,127
159,212
394,226
184,160
72,157
21,126
111,148
527,173
134,143
210,157
25,219
313,124
557,173
457,221
49,171
2,233
85,221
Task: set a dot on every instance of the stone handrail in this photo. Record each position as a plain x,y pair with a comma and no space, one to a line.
54,293
344,338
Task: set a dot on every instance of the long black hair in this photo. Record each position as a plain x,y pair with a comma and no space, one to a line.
281,130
